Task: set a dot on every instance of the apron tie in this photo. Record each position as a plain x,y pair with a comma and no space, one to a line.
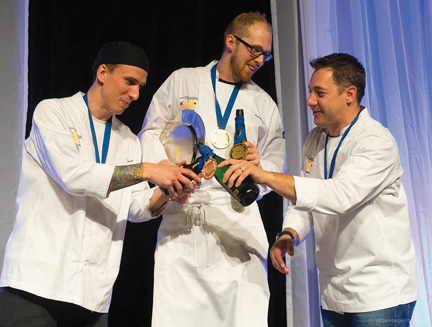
196,216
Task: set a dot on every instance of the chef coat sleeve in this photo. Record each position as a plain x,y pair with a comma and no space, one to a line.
51,145
300,221
272,145
140,203
370,167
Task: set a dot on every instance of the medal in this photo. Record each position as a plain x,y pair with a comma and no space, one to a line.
238,151
209,168
220,139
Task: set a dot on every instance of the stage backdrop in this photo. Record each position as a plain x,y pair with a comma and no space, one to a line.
13,107
392,38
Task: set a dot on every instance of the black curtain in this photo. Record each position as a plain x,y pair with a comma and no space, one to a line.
64,37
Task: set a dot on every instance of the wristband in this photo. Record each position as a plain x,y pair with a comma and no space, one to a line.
164,191
285,233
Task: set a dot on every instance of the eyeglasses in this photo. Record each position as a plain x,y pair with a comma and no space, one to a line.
255,51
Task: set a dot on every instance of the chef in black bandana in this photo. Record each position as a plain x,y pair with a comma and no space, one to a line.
82,178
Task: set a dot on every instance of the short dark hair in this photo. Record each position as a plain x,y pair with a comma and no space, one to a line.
111,68
347,71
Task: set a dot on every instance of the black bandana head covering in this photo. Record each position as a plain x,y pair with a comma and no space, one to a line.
122,53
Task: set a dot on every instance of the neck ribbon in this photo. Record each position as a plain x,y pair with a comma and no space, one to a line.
222,120
107,135
332,164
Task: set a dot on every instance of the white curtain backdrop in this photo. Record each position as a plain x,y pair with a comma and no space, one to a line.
13,107
392,38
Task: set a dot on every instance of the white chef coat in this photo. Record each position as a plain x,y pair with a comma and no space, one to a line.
360,217
210,267
67,239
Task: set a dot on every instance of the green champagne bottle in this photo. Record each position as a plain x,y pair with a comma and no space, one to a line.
245,194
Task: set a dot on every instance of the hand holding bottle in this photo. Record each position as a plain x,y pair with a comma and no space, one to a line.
238,170
252,154
242,149
182,188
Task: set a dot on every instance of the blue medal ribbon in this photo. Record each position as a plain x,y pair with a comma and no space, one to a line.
107,135
206,153
222,120
332,164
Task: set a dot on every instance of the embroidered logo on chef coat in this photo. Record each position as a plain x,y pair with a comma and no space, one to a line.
188,102
308,164
75,136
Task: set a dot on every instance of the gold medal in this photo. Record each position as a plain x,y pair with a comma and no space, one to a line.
238,151
209,168
220,138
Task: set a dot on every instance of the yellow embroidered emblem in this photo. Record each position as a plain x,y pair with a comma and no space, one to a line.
308,164
189,103
75,136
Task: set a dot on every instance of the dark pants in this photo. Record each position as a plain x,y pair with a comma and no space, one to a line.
398,316
22,309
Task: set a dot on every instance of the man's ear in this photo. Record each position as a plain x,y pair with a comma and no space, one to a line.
351,94
101,73
230,42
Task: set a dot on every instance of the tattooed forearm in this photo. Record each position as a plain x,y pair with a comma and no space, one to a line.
124,176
